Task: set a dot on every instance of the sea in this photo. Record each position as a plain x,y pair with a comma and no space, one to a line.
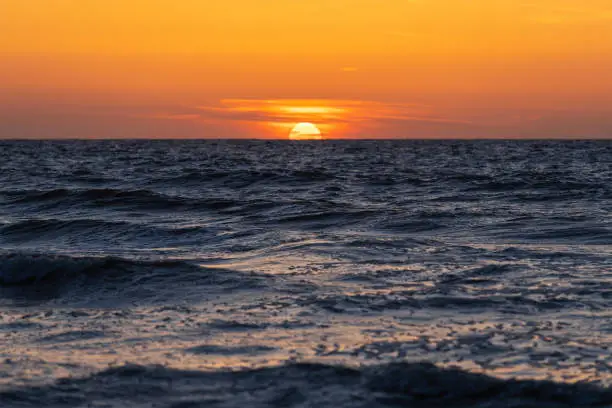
245,273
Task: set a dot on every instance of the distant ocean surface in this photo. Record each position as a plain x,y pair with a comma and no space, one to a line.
333,273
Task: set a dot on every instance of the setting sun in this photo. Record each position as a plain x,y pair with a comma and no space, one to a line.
305,131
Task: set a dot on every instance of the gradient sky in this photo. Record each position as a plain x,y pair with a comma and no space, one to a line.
356,68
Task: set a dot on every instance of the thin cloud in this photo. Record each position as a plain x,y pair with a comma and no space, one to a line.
320,111
339,118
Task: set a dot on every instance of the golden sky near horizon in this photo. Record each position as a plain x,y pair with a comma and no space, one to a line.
356,68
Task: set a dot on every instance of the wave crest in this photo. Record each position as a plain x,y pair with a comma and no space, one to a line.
307,384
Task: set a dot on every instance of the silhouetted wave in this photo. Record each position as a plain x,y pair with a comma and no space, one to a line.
298,385
28,269
35,277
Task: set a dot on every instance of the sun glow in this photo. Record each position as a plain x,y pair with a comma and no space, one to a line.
334,118
305,131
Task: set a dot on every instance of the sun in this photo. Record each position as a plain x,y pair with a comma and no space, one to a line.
305,131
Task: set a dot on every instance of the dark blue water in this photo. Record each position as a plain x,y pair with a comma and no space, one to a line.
234,273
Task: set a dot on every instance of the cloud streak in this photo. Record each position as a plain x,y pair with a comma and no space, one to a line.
330,114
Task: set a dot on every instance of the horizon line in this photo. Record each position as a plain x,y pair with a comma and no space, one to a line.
308,140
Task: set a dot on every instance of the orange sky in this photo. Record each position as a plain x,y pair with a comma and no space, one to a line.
356,68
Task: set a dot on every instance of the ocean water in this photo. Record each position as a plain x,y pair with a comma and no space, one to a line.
334,273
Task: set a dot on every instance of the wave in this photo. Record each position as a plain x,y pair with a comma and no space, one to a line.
141,200
148,199
435,298
476,274
537,184
26,269
324,219
409,226
87,230
305,384
43,276
40,228
246,177
513,253
592,235
109,197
